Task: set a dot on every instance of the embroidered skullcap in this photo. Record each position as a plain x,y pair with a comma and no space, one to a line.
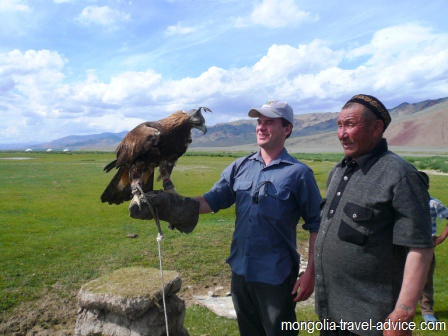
374,105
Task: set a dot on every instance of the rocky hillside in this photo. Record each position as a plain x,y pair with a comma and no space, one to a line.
423,124
243,132
406,109
425,128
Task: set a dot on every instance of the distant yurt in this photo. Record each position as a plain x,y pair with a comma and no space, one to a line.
49,150
66,150
28,150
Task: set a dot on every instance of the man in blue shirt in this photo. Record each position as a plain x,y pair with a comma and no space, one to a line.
271,191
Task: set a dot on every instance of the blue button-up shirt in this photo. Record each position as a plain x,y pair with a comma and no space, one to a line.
269,200
437,209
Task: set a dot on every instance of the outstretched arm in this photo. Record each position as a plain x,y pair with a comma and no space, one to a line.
414,279
440,239
203,205
304,286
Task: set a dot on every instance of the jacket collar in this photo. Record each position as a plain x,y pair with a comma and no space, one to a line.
366,161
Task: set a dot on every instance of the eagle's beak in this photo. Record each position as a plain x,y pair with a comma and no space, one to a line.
197,119
202,128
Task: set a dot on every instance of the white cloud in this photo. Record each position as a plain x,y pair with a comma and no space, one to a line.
287,61
279,13
14,6
102,16
398,61
405,56
34,78
112,122
179,29
395,42
31,61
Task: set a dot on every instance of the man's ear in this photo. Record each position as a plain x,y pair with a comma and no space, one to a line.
379,127
288,129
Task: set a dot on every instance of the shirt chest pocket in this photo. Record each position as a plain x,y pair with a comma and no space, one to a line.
242,190
355,226
277,193
273,202
242,185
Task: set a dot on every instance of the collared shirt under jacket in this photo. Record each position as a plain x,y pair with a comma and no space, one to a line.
269,200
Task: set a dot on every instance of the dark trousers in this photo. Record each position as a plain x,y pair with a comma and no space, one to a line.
261,308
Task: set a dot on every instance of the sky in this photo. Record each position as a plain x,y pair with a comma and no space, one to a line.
72,67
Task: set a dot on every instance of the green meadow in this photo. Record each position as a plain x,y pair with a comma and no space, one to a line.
56,235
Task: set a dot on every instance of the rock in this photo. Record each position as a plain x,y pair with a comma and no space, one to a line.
221,306
129,302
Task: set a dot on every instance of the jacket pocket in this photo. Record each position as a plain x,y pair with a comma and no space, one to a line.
351,235
356,228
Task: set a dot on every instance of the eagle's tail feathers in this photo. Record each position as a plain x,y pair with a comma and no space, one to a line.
119,189
110,166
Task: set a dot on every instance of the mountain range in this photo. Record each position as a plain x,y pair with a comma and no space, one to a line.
418,125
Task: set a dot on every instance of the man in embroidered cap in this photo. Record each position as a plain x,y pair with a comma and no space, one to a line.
374,244
271,191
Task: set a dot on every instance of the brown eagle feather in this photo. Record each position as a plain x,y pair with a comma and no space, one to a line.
150,145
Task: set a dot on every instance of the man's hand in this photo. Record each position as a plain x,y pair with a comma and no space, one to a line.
399,320
440,239
304,286
414,278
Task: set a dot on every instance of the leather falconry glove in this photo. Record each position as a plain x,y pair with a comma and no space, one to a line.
180,212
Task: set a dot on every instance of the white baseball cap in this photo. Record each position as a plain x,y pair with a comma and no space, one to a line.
274,109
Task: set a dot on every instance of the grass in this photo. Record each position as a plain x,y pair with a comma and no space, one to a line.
56,235
439,163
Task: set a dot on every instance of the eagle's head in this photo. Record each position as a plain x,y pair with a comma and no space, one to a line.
197,120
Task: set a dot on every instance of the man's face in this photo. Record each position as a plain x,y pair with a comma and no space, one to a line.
357,134
270,132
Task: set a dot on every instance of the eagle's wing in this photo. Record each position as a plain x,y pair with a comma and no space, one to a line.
140,142
133,162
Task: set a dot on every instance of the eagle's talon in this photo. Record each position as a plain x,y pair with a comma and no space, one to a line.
137,200
135,190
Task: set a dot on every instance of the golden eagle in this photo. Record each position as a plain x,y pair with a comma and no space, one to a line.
149,145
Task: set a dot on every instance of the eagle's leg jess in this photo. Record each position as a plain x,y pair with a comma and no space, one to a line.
165,170
168,185
151,208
